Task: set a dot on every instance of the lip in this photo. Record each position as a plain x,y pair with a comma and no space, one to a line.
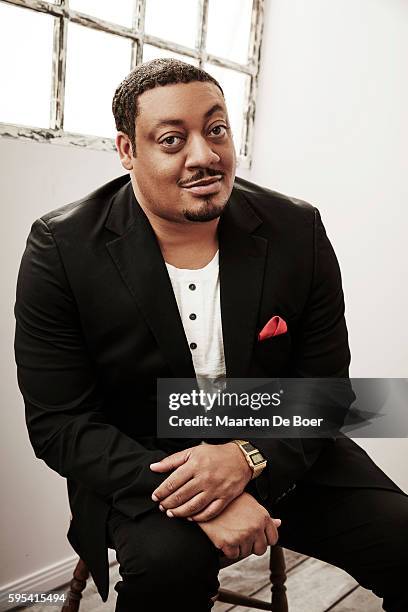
205,187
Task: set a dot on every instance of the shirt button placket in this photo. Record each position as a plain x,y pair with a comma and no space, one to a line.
193,316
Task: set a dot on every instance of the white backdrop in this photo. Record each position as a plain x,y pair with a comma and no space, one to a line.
332,128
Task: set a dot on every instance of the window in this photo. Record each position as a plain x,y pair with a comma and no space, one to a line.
66,57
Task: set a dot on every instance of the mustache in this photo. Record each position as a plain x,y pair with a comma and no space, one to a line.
200,175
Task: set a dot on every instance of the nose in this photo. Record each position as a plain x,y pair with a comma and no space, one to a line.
200,153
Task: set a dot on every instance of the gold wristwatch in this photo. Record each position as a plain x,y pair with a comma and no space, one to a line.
253,456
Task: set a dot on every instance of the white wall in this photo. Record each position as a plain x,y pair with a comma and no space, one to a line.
332,128
34,178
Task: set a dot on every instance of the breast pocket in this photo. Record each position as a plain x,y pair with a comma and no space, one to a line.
273,354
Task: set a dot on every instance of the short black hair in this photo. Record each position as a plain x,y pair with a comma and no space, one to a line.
156,73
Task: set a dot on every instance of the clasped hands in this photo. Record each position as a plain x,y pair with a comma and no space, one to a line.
207,485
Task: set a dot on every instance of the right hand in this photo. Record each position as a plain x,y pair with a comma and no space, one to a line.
243,528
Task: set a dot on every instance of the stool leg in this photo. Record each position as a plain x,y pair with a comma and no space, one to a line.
277,568
231,597
76,586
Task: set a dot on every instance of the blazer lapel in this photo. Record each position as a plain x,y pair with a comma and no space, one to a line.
138,258
242,262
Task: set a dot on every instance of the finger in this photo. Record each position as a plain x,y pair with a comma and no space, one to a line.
171,462
193,506
182,495
271,533
260,545
245,549
211,511
173,482
231,552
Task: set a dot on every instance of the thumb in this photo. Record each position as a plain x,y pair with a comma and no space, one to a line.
171,462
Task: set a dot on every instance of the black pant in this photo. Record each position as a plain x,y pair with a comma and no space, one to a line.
170,564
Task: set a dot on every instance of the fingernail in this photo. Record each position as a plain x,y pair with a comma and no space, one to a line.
170,514
154,497
189,518
161,508
277,522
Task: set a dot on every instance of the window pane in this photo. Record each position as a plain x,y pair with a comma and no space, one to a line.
26,66
117,11
96,64
234,85
150,52
175,20
229,27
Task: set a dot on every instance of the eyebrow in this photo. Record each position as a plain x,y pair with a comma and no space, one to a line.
214,109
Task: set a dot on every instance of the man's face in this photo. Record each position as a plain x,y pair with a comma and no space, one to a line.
185,158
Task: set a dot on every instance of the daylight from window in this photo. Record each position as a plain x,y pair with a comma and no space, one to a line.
97,43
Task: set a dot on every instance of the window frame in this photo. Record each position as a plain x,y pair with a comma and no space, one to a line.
63,14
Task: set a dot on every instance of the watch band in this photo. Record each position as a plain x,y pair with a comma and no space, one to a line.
253,456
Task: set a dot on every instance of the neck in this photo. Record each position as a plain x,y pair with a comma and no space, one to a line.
189,245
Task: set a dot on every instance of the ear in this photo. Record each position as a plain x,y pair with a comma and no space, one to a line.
124,148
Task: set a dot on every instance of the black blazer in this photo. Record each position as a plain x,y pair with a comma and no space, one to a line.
97,324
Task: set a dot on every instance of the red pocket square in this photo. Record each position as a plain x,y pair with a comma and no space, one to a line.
274,327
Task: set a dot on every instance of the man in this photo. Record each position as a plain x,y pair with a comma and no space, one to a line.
174,273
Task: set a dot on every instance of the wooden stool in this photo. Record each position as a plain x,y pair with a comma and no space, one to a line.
76,586
277,577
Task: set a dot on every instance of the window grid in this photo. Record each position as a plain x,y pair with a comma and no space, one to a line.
63,15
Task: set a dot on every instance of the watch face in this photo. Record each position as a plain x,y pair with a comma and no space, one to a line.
257,458
248,447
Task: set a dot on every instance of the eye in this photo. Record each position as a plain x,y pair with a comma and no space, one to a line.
219,130
171,141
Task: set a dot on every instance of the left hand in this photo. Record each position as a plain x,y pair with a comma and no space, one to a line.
206,478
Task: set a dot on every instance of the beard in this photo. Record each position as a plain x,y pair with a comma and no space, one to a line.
207,211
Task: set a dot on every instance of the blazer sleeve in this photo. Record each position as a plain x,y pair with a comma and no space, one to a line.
63,405
321,350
